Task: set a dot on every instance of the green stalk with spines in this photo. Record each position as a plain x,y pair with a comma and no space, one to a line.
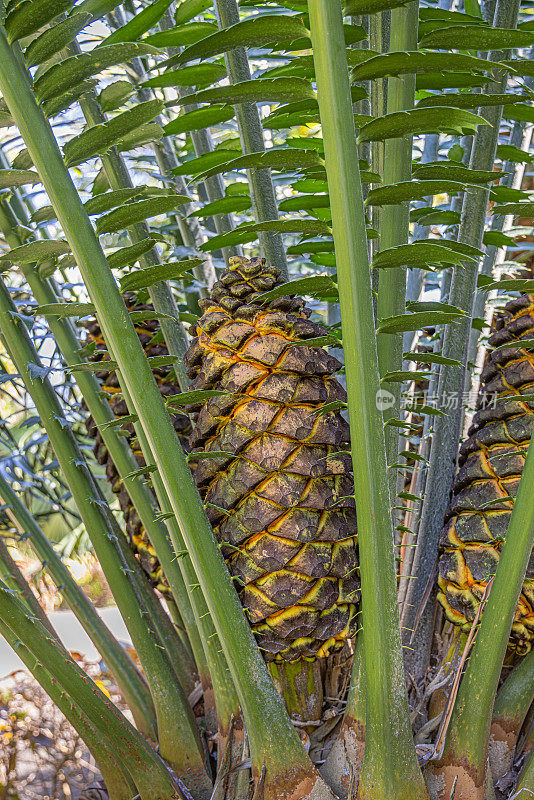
12,577
151,776
190,229
447,427
251,134
130,682
117,779
119,450
520,136
274,741
222,685
44,292
175,720
156,619
467,740
388,737
118,177
378,42
160,294
395,220
118,662
218,678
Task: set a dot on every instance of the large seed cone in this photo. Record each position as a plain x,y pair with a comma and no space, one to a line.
149,335
280,498
491,462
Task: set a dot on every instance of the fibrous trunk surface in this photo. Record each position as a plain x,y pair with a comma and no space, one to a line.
491,462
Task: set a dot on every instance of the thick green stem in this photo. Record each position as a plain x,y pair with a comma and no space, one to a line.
379,43
469,730
121,453
455,345
515,696
156,618
251,135
130,682
274,742
395,220
148,771
216,677
123,458
175,720
388,732
14,578
189,228
160,294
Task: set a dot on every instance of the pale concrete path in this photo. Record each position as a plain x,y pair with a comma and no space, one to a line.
72,635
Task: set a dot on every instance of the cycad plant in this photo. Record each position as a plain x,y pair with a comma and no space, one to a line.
265,239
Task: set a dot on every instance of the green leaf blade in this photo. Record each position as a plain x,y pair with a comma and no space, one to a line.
129,214
68,73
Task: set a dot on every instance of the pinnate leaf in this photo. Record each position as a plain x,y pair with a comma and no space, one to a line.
412,190
17,177
198,119
417,254
36,251
115,94
140,23
247,233
226,205
54,39
258,90
450,170
30,15
279,159
130,254
100,138
142,278
68,73
371,6
101,203
196,75
413,322
62,310
421,120
188,9
202,163
194,396
138,211
413,62
182,35
517,209
470,100
508,152
487,38
258,31
312,286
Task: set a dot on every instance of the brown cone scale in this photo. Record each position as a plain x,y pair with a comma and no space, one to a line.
490,465
148,333
280,499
